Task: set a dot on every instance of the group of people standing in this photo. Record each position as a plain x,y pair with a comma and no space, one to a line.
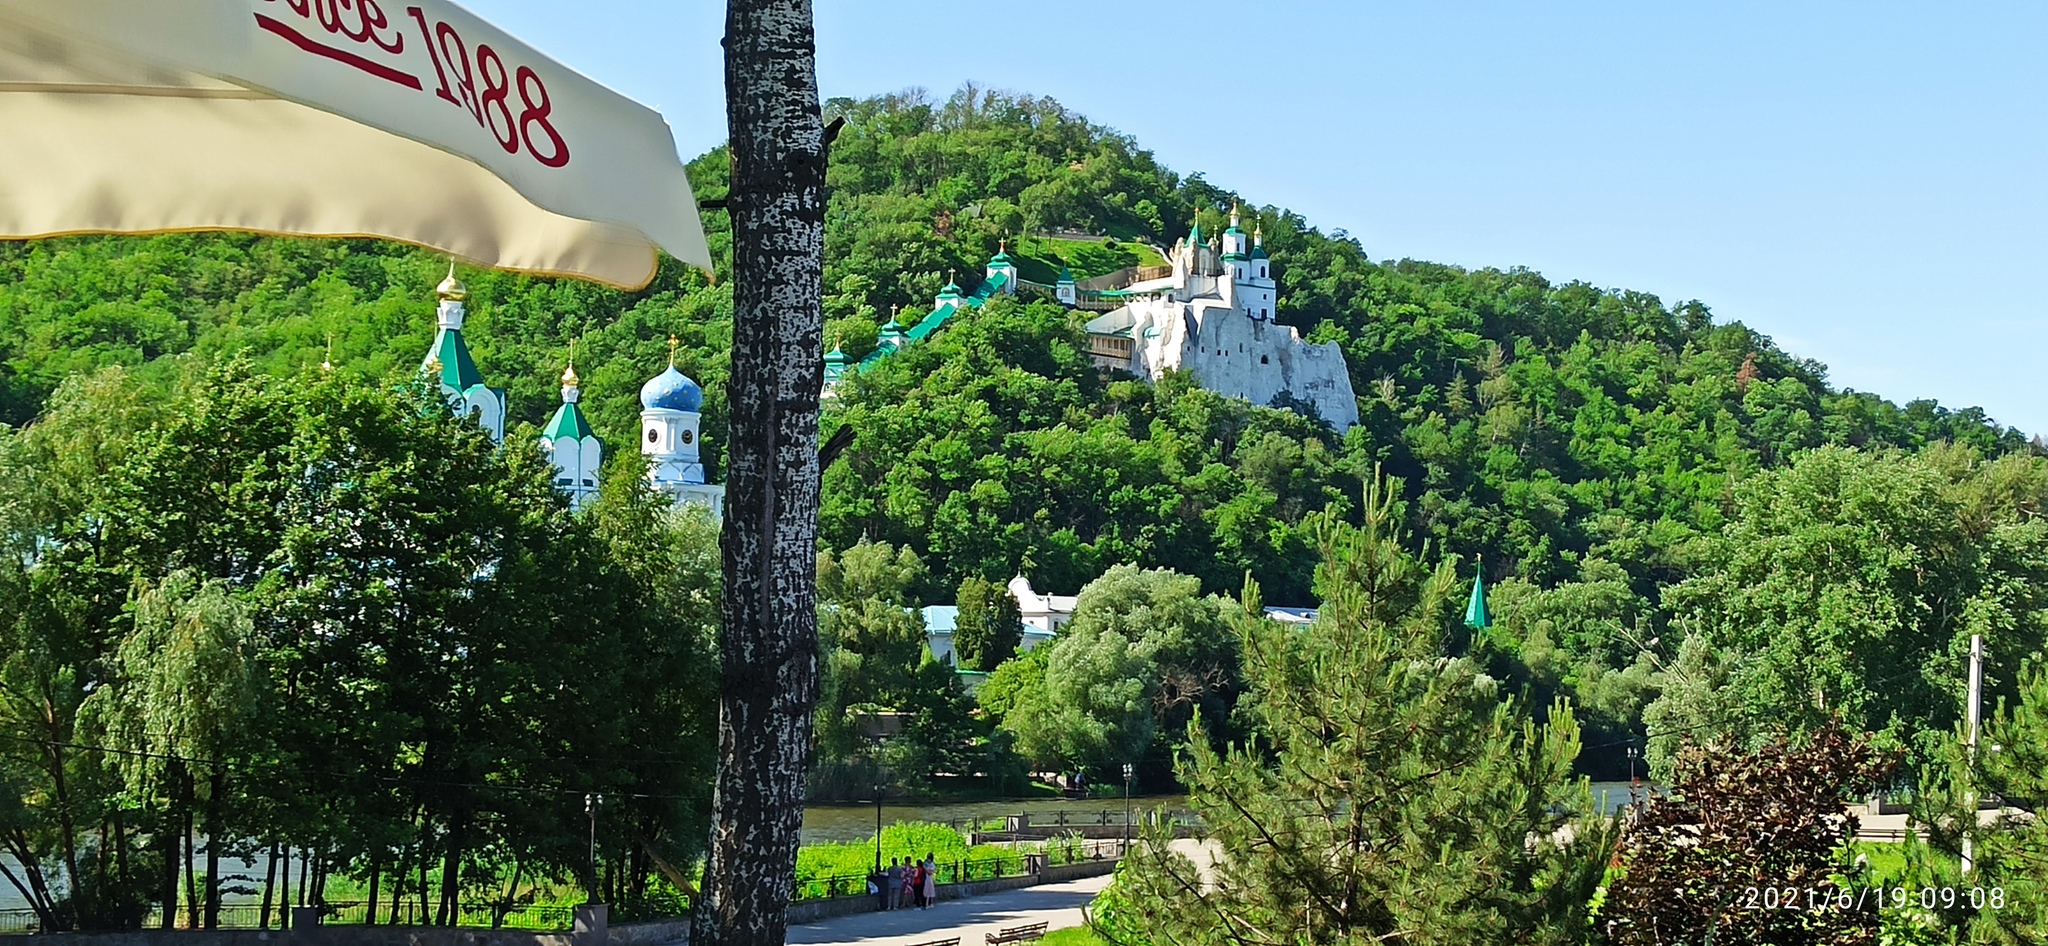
906,883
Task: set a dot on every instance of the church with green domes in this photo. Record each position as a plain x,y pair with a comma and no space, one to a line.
670,417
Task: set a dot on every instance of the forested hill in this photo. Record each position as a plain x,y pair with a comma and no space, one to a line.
1544,424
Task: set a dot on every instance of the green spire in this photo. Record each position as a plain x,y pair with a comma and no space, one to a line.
1476,616
1195,234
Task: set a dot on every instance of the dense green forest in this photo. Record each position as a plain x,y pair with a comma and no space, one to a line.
1687,531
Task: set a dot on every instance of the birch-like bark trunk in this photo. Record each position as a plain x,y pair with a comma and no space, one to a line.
769,641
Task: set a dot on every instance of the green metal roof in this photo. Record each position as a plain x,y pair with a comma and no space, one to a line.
1259,252
1066,275
458,370
937,319
1235,257
835,357
988,289
1000,259
567,422
1195,234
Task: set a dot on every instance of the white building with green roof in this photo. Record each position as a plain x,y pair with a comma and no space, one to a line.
448,361
1213,317
571,445
1001,278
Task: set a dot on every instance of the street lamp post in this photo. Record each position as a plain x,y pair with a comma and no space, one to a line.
877,726
1128,772
591,803
878,821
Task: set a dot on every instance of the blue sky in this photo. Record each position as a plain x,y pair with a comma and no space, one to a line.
1864,182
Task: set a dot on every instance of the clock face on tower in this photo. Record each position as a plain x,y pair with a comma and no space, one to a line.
689,437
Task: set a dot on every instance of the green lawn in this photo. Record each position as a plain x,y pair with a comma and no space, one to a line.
1039,258
1073,936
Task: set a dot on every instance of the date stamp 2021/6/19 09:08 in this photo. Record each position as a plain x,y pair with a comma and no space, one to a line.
1880,898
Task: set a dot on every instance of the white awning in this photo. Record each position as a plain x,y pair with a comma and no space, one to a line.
421,124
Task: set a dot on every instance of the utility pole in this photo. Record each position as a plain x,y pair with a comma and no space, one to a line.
1972,713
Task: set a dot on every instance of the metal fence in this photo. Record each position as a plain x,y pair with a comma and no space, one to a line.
1083,818
966,870
248,916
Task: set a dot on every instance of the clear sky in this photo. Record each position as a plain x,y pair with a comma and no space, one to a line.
1865,182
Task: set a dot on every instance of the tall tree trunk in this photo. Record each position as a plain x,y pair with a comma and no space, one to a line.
97,919
270,887
376,874
426,909
38,888
398,875
451,871
80,898
191,801
215,786
511,891
167,839
121,875
284,891
768,679
320,864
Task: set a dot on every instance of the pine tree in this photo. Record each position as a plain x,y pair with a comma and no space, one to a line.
1390,794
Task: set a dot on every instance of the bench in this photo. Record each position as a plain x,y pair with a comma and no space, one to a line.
1017,934
955,941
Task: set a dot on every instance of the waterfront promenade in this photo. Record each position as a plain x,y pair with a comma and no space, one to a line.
969,918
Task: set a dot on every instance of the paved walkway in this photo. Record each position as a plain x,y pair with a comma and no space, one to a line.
1056,905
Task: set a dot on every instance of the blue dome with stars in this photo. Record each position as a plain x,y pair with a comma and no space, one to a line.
672,390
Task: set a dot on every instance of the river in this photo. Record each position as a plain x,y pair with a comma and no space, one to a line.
826,823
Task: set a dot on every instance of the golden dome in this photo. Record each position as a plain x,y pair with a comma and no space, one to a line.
569,377
452,289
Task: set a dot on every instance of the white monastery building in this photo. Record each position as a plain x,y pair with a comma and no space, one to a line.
1209,313
1212,316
